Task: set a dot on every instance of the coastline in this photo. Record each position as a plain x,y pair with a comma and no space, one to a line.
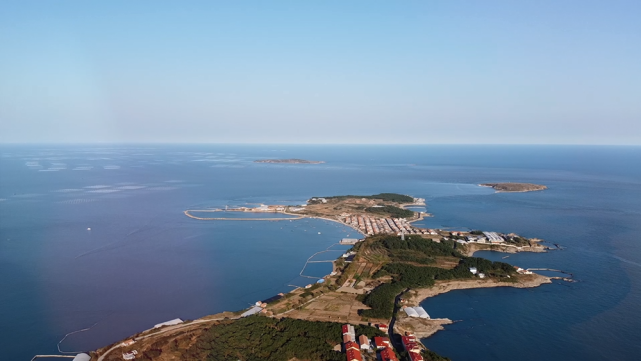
321,306
524,281
421,328
471,248
424,328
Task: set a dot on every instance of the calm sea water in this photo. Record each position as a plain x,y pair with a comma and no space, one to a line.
143,261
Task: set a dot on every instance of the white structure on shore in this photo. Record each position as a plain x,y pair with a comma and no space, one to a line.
418,312
175,321
493,237
350,241
252,311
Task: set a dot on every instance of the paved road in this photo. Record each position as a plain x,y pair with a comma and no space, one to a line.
390,330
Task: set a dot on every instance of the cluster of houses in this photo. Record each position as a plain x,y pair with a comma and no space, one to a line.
373,225
130,355
474,271
261,208
261,306
519,270
411,345
354,349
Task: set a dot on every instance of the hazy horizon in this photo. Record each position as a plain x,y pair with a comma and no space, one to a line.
141,143
286,72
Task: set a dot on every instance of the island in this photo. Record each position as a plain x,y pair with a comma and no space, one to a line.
515,187
367,308
289,161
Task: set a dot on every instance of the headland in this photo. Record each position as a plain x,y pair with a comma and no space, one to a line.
377,287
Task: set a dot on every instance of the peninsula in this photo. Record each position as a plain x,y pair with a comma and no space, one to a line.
374,291
515,187
289,161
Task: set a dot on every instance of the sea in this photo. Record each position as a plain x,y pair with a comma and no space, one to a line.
95,245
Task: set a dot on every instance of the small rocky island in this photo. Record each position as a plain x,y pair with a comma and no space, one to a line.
515,187
289,161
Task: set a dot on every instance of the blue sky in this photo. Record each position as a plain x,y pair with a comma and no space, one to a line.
537,72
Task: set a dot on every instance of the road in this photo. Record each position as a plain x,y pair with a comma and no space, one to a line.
390,331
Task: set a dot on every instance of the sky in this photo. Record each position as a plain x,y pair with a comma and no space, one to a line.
406,72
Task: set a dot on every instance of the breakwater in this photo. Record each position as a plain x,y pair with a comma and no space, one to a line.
188,214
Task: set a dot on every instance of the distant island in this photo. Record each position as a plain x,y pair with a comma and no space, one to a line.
515,187
289,161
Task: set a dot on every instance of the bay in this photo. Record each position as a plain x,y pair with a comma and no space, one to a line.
143,261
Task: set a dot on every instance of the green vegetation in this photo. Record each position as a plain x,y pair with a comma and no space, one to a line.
270,339
409,255
388,197
429,355
381,300
391,211
519,241
426,247
405,275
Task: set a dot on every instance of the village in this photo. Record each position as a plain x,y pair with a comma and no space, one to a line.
374,225
379,347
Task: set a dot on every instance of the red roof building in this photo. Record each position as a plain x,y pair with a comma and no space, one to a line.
364,342
354,355
410,344
416,356
351,346
381,342
383,327
388,355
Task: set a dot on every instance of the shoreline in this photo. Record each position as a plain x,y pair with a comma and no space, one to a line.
297,216
471,248
424,328
524,281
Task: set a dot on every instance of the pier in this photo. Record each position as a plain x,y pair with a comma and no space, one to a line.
315,254
294,217
550,269
567,279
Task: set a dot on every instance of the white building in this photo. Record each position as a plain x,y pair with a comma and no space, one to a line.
473,270
175,321
421,312
411,312
493,237
82,357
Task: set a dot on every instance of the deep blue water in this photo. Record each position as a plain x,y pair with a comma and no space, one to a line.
144,261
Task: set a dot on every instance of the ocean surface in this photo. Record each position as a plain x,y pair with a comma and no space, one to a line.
95,237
